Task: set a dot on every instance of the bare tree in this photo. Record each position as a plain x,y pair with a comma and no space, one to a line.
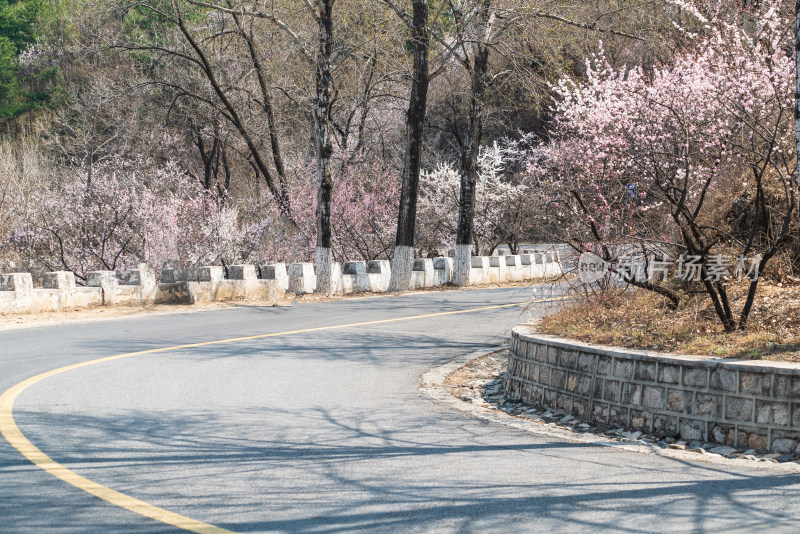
402,261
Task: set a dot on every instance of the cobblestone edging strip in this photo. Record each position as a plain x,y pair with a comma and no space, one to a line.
742,404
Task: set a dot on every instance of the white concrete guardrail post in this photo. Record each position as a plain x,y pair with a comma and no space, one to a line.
277,272
302,278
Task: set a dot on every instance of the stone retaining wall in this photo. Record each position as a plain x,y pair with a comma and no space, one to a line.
188,285
740,403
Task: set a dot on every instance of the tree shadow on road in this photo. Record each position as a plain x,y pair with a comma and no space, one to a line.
341,469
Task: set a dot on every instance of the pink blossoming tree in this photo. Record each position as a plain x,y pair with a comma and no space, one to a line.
706,141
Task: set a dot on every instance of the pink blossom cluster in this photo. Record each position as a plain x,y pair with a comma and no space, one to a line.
137,211
720,110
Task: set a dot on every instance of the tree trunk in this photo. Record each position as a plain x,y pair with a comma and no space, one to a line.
322,145
797,101
469,155
402,262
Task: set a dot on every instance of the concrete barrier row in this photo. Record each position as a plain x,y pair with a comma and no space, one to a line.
269,282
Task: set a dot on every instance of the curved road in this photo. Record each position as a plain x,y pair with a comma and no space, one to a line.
326,431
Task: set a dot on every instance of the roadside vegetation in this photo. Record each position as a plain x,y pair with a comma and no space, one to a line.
642,320
680,180
657,136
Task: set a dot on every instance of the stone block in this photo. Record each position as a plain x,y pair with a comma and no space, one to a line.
172,271
600,413
773,413
623,368
58,280
242,272
584,385
696,378
739,409
569,359
784,445
665,425
133,277
641,420
692,430
618,416
572,382
782,386
721,434
632,394
277,272
22,282
172,293
552,355
578,408
669,374
757,442
535,373
598,388
710,405
104,279
558,378
645,371
354,267
191,274
169,276
653,397
210,273
611,391
379,267
754,383
143,276
679,400
603,365
724,380
585,362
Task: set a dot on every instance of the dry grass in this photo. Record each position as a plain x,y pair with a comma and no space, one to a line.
640,319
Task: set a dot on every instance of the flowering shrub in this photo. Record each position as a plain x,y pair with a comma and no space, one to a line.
120,219
363,213
704,141
503,190
127,215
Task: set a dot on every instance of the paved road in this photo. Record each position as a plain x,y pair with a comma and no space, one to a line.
326,432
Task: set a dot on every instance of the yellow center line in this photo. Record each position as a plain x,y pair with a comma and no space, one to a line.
14,436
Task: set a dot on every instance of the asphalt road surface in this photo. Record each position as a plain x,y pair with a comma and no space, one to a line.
325,431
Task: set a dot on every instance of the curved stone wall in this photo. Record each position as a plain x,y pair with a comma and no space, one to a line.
741,403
